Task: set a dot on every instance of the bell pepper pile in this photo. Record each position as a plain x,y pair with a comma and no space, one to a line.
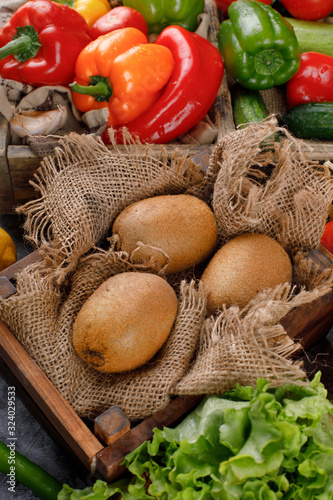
189,93
263,48
158,90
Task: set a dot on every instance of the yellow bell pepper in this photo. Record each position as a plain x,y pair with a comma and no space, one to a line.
8,253
92,10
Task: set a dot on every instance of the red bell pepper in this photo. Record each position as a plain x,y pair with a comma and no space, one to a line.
119,17
40,43
327,237
308,10
189,93
313,82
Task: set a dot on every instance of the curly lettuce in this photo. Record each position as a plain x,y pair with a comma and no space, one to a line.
250,443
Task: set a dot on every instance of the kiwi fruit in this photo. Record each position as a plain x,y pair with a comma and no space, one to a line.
125,321
178,229
243,267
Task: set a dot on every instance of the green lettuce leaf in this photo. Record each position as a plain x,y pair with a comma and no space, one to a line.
251,443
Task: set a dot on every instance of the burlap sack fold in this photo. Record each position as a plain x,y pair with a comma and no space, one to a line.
84,186
275,190
241,346
41,314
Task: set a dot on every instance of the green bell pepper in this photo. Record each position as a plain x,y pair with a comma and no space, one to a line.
259,47
161,13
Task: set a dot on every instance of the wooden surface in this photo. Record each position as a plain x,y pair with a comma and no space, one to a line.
309,322
111,425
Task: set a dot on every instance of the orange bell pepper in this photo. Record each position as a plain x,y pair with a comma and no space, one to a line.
91,10
123,72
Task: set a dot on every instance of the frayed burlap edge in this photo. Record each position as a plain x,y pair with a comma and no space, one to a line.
85,185
42,313
246,199
241,346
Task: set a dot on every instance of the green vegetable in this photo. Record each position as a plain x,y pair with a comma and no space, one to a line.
313,120
161,13
249,444
21,469
258,45
248,105
313,36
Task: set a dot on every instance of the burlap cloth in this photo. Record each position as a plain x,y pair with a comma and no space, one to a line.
83,187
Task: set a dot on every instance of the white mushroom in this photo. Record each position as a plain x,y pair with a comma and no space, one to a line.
32,122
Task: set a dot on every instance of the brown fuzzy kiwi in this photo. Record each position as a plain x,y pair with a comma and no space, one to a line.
125,321
246,265
182,226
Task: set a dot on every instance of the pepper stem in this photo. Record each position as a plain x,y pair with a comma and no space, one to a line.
23,46
69,3
99,88
268,62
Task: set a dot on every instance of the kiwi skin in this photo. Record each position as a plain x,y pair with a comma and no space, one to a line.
243,267
182,226
125,322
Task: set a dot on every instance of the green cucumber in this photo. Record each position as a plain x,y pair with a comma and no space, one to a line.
247,105
313,120
313,36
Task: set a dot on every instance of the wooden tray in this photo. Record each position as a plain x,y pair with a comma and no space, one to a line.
101,445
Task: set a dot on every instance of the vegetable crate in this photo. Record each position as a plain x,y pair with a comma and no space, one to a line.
100,444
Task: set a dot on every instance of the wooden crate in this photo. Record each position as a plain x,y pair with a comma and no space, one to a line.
102,446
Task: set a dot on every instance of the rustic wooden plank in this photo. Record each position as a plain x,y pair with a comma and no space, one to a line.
21,264
22,164
320,150
110,458
35,410
70,426
310,322
6,287
6,191
111,425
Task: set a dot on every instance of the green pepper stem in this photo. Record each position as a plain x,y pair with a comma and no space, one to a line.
69,3
31,475
23,46
99,88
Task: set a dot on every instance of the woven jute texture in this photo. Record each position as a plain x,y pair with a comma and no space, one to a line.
251,185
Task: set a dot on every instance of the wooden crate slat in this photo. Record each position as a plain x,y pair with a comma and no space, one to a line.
80,439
